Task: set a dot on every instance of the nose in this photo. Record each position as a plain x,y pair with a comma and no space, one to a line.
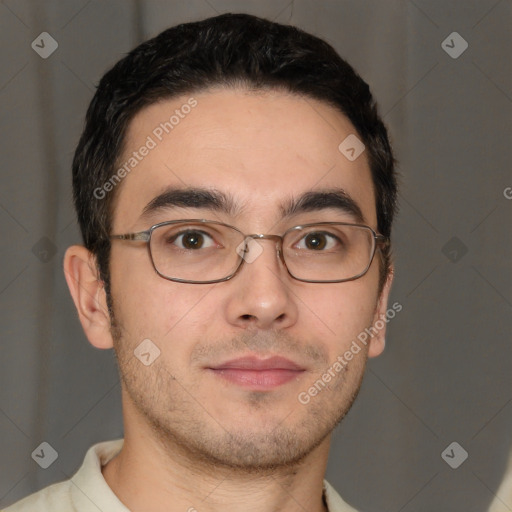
261,294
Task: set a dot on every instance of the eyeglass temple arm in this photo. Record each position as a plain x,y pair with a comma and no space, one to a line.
382,240
141,236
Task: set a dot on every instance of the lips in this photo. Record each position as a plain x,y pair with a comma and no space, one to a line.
253,363
258,374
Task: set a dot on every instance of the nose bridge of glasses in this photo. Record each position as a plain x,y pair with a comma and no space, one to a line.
277,239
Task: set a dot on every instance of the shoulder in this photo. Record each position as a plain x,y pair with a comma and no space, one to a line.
86,491
55,498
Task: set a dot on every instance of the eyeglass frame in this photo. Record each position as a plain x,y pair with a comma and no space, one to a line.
378,240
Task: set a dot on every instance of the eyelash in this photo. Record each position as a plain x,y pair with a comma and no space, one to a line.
183,233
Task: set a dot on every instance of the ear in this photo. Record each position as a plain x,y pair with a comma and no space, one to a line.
378,340
89,295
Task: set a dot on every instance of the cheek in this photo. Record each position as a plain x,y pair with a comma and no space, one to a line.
343,311
168,313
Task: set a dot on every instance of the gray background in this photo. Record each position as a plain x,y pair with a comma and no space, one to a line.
446,373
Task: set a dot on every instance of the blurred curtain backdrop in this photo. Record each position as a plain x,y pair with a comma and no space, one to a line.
445,376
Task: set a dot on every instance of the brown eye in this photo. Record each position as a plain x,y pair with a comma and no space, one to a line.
191,240
319,241
315,241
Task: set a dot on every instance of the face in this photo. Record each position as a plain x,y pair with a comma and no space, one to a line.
263,150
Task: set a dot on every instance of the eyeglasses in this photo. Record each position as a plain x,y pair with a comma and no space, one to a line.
200,251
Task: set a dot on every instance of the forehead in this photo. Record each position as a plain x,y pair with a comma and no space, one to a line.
261,148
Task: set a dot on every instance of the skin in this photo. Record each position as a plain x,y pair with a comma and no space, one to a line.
191,438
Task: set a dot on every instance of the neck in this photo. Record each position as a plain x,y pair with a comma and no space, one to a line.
155,475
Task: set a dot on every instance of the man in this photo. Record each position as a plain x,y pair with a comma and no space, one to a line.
235,189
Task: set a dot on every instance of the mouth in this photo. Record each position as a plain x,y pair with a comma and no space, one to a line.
258,374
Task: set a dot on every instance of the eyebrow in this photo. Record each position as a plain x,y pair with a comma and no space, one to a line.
216,200
315,200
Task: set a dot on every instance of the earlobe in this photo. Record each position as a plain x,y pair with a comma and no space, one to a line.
89,296
378,341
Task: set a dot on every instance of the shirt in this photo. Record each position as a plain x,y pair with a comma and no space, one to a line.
87,490
503,498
